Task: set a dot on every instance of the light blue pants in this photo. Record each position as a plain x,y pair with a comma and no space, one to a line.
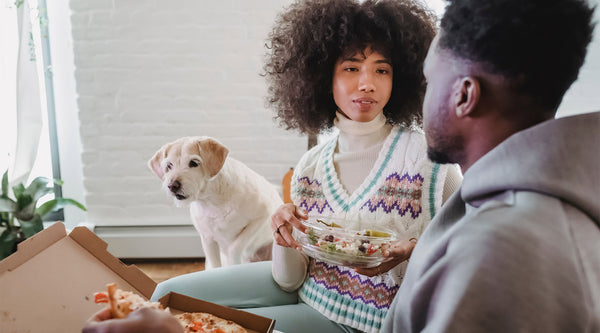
251,287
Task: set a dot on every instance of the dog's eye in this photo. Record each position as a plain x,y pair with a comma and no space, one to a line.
169,166
193,164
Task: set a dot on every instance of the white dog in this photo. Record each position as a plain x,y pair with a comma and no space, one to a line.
230,204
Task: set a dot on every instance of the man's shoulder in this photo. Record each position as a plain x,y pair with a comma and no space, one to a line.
513,218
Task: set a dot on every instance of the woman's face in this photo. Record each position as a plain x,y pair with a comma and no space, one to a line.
362,84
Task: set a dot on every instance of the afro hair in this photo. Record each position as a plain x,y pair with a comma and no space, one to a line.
310,35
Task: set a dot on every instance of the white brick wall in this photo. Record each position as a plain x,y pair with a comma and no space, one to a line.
148,72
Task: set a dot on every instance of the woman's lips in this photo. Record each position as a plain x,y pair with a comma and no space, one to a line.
364,104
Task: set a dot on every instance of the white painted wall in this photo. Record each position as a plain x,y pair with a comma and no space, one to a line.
148,72
584,95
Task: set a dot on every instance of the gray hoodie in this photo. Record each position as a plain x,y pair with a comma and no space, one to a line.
517,248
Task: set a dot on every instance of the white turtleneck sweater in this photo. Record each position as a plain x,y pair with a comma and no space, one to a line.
358,148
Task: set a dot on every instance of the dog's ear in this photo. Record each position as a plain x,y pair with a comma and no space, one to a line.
213,155
155,161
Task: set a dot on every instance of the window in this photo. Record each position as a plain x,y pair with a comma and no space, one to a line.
27,118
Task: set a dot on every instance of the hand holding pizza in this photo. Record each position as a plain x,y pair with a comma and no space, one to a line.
144,319
128,312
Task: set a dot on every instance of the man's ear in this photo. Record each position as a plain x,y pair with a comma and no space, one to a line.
213,155
467,96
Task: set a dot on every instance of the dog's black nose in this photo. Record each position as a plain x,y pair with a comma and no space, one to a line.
175,186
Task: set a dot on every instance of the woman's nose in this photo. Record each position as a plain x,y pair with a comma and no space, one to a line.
365,82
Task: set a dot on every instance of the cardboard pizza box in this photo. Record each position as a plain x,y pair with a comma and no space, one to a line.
253,323
48,285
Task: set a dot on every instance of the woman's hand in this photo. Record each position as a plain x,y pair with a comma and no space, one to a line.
141,320
284,220
398,251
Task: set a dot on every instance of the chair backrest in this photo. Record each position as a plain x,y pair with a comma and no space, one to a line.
285,186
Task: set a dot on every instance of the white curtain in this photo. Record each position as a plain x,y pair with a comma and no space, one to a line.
26,110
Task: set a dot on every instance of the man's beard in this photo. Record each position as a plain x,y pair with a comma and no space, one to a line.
443,145
438,156
445,150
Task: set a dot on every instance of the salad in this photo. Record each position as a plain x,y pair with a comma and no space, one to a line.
328,241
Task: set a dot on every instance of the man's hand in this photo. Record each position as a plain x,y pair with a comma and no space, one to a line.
139,321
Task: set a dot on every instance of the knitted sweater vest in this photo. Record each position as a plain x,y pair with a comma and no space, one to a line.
402,193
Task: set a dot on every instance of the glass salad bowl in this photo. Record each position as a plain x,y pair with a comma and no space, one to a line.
353,246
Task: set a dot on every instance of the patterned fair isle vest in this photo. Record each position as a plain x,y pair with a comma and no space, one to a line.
402,192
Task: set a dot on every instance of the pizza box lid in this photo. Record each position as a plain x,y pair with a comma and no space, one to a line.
48,285
178,303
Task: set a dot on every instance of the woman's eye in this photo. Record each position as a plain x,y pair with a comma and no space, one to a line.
351,69
193,164
383,71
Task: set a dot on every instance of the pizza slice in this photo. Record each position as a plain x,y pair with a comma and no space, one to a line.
121,303
207,323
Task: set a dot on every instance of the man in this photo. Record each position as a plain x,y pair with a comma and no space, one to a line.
517,247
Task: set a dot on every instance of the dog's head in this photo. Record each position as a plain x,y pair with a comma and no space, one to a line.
186,165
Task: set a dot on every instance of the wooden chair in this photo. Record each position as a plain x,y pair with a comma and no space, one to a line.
285,186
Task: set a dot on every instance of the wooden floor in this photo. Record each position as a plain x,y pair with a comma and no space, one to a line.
163,269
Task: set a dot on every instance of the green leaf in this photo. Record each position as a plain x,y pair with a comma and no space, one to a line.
56,204
312,237
39,187
25,207
42,192
26,214
47,207
23,201
7,205
18,190
32,226
5,184
5,219
7,243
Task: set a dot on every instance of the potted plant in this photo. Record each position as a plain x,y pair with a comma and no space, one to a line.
20,217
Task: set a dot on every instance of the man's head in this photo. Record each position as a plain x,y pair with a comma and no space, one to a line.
510,61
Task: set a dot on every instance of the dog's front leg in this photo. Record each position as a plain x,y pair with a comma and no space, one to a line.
234,257
211,252
237,252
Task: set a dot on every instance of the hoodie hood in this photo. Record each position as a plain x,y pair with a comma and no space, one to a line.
559,158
